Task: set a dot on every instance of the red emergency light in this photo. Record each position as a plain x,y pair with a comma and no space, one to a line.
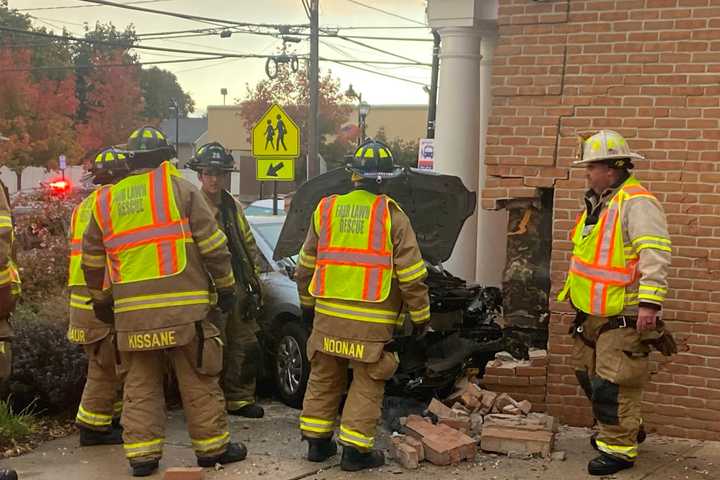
59,186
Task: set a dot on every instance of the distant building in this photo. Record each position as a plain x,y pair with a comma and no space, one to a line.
191,130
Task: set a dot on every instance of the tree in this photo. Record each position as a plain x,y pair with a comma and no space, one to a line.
291,91
35,115
113,100
86,54
158,87
405,152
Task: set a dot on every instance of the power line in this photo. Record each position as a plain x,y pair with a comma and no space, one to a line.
111,65
386,52
195,18
375,72
386,12
83,6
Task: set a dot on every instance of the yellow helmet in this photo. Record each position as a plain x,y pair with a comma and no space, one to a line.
604,146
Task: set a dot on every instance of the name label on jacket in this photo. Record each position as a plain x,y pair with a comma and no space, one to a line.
76,335
343,347
147,341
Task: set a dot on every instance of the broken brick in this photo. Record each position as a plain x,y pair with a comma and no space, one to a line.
462,424
525,407
404,453
508,439
511,410
183,473
502,401
488,401
538,358
439,409
443,445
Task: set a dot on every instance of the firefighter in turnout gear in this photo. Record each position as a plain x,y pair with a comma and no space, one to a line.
242,351
9,293
360,273
99,411
9,284
617,283
162,248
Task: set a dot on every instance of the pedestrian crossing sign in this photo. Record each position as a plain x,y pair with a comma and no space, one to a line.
275,135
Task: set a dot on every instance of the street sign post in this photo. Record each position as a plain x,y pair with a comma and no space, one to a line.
275,146
63,164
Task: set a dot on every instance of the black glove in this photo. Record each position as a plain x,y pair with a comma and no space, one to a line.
420,329
226,300
308,315
104,312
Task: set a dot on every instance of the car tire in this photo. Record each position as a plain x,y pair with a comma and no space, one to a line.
292,367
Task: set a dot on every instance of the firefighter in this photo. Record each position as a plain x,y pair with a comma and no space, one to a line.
9,293
360,273
162,246
617,283
214,164
98,414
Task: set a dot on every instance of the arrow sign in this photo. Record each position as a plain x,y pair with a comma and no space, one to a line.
280,169
273,170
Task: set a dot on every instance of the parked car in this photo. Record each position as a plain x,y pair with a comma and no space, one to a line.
464,329
264,207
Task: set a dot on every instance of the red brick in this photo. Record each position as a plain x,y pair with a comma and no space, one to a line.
184,473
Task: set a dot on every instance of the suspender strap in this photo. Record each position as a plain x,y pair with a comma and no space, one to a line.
618,322
201,343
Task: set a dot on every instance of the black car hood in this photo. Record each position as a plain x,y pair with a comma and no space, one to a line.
437,205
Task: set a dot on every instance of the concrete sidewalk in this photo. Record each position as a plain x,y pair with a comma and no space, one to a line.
277,453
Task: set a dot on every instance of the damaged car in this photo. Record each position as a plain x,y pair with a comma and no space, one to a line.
464,329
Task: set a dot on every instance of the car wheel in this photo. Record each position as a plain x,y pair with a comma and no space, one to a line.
291,364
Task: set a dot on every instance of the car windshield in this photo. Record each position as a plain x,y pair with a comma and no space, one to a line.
270,232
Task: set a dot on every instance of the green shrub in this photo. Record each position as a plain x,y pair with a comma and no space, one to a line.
47,368
15,426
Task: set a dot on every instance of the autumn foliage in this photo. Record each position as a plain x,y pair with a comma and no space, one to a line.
36,115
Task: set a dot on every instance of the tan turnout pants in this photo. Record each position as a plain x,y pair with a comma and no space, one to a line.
613,376
327,383
101,399
143,416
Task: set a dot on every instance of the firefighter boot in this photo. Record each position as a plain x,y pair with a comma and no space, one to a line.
354,460
92,437
607,465
7,474
144,469
251,410
235,452
641,436
320,449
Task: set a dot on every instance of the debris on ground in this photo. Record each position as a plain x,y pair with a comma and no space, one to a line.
451,430
184,473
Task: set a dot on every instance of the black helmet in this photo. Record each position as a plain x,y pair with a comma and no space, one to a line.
374,160
148,148
109,165
212,156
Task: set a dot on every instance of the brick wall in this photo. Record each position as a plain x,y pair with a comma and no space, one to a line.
649,69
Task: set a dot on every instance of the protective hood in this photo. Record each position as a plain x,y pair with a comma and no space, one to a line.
437,206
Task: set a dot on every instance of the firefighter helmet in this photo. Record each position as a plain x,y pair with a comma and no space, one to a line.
148,147
374,160
605,146
109,165
212,156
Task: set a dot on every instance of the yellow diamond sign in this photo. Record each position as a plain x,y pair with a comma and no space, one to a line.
275,135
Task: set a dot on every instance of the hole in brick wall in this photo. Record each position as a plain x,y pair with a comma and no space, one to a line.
526,279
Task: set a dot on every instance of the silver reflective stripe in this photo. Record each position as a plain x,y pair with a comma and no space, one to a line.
364,313
607,235
124,304
597,297
377,239
165,249
145,235
379,260
325,212
104,207
158,186
373,279
600,273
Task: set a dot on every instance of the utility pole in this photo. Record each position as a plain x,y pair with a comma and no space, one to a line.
432,102
313,77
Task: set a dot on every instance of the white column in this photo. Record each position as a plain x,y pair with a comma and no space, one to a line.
491,225
457,133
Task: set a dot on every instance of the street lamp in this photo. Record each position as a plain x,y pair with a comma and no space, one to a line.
363,110
174,106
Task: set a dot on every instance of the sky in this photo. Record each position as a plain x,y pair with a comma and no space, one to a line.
204,80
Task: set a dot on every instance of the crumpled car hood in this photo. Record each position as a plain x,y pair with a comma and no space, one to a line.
437,205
